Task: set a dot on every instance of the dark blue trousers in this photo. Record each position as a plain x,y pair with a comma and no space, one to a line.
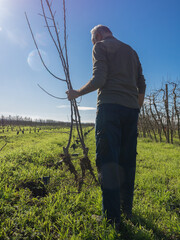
116,141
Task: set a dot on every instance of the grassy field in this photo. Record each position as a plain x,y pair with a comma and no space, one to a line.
31,209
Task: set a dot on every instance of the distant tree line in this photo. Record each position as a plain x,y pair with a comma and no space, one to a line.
27,121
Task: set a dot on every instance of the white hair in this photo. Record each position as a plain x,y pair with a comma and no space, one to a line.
103,30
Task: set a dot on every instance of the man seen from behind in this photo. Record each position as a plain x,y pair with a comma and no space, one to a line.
117,75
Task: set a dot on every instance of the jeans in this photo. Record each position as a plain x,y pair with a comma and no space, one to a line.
116,141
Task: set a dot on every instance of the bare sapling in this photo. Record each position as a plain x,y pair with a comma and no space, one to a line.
52,27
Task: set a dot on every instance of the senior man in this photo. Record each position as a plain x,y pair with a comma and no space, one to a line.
117,74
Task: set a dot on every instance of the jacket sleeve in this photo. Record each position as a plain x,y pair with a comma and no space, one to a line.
141,85
100,67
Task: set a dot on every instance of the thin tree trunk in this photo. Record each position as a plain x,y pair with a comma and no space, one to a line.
176,110
156,122
159,117
150,124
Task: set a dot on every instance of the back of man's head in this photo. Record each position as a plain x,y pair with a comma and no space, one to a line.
103,30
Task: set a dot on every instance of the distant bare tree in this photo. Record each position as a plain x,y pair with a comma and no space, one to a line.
160,113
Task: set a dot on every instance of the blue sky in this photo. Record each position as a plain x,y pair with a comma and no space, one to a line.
151,27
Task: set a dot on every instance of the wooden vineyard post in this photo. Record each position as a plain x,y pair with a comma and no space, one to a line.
176,109
169,125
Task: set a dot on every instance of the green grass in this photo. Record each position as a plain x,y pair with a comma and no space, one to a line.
62,213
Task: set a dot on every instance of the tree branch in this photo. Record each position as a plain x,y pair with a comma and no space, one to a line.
40,53
50,93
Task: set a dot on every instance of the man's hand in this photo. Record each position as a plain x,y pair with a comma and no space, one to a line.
141,99
87,88
72,94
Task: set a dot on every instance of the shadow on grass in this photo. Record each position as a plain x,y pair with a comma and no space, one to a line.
140,228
